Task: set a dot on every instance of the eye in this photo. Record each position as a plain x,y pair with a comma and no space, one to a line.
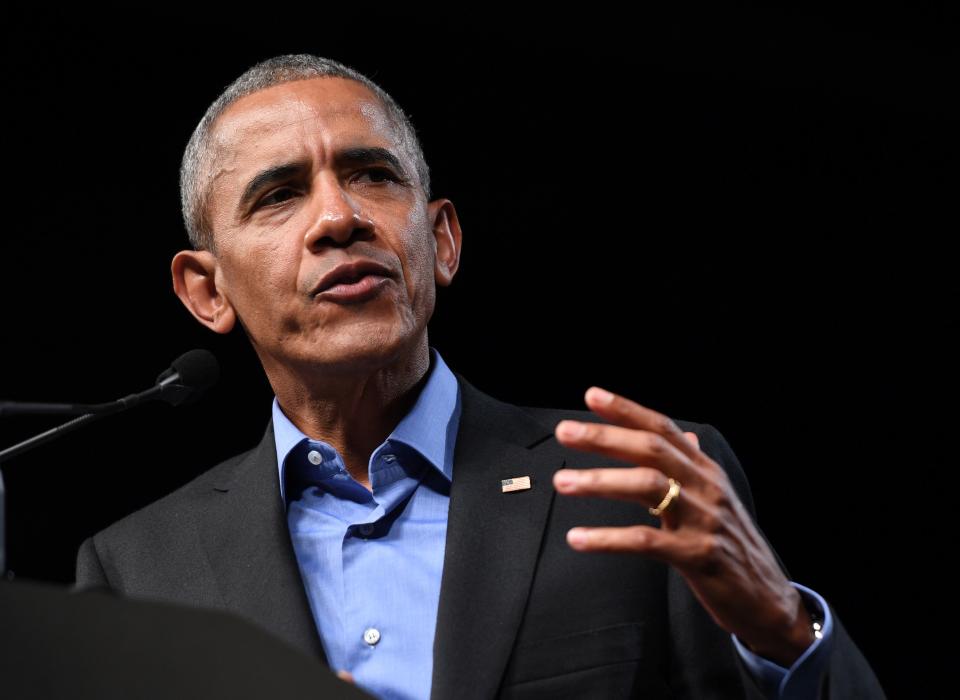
278,196
379,175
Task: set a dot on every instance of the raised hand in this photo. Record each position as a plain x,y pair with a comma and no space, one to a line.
706,533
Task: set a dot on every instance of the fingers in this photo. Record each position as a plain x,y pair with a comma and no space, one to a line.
621,411
629,445
637,484
664,545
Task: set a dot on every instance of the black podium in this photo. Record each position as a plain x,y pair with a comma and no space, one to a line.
58,643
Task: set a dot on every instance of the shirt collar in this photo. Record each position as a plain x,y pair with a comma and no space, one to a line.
430,427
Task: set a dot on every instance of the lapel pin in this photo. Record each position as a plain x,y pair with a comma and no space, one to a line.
517,483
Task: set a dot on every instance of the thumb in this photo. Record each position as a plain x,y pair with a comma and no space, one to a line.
345,676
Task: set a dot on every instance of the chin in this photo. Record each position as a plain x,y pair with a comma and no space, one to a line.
356,351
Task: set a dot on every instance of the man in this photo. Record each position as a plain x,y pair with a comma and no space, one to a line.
420,536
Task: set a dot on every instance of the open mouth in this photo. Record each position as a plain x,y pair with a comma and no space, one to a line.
351,282
362,288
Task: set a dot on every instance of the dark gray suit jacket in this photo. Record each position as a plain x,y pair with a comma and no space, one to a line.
521,614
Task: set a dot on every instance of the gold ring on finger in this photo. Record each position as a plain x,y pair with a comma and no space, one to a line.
672,494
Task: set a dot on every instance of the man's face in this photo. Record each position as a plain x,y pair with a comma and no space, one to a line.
308,176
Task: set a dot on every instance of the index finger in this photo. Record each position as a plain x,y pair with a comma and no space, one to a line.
640,447
621,411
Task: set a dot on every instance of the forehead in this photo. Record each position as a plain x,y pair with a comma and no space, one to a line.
313,114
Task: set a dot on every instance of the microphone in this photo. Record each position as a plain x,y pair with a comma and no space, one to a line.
182,383
188,377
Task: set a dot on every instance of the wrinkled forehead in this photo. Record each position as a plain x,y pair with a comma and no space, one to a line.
300,118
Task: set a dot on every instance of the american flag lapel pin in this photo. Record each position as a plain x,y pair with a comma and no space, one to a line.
517,483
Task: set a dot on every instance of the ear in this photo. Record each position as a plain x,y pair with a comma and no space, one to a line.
447,239
195,282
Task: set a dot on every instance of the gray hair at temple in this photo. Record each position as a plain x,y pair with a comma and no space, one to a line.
196,165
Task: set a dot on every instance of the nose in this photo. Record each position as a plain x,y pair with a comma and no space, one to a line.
337,217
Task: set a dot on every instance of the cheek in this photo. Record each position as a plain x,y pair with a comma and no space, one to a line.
420,256
259,278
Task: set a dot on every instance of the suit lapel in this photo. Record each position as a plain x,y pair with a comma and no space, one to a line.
493,540
492,545
248,545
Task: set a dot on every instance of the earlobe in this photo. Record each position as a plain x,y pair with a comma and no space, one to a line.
447,238
195,283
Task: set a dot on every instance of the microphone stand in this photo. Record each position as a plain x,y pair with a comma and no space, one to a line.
29,444
182,382
49,435
98,411
88,413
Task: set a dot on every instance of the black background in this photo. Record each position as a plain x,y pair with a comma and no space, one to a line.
743,217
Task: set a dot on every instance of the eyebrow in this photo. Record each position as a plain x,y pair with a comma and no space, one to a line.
359,155
270,176
369,155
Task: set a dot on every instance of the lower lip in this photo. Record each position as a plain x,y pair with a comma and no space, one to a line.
365,288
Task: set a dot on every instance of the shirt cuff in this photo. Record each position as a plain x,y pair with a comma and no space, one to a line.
802,679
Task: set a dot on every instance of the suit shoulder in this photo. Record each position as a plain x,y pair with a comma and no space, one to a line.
175,509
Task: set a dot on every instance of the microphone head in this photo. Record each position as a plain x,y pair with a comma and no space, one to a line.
188,377
197,369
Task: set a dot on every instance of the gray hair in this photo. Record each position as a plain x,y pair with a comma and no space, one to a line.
197,158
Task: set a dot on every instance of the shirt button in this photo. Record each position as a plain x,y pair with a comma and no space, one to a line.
371,635
367,529
314,457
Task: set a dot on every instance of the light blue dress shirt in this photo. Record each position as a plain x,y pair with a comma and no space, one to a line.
372,562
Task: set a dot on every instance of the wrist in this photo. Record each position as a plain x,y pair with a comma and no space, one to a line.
801,630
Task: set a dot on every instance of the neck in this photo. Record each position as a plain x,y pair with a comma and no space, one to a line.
353,411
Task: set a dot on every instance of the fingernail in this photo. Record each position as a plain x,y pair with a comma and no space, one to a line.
600,396
577,537
571,429
565,478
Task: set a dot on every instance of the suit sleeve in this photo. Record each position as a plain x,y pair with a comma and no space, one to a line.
846,671
90,573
